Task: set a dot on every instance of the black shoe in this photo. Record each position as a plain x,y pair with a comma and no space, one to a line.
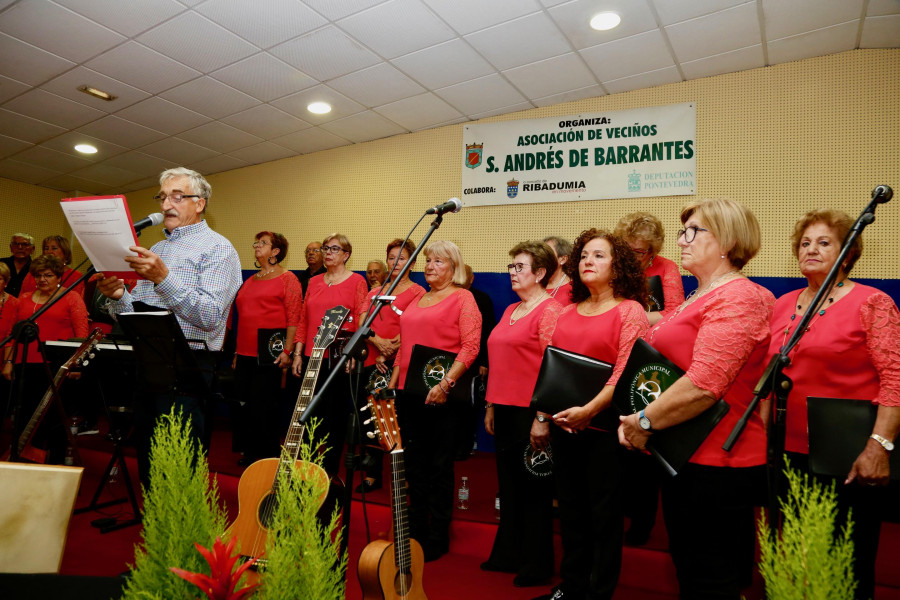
530,580
492,566
368,486
433,550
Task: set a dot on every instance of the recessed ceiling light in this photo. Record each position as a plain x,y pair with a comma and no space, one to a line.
91,91
605,21
86,149
319,108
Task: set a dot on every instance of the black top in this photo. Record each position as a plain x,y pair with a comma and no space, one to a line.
15,277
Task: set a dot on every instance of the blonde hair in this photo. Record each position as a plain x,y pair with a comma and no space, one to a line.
642,226
343,240
450,251
733,224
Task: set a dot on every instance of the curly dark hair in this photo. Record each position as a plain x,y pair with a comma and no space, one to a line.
627,275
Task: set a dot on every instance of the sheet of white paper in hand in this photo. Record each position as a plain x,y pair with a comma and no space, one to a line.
103,226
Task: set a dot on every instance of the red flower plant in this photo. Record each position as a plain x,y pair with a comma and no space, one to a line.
223,578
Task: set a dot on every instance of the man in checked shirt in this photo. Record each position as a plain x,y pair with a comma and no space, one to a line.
195,273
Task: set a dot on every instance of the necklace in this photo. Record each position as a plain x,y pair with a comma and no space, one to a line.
262,274
697,293
820,313
529,306
563,281
840,284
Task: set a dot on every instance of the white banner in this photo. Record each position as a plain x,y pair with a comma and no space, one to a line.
619,154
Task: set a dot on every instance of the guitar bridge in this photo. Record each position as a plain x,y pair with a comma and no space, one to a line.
259,566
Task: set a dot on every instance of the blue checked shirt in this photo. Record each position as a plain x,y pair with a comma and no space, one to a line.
204,277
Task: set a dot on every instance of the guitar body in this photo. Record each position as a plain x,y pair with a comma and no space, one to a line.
380,578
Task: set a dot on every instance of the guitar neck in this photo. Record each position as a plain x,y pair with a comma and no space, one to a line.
296,430
402,553
38,415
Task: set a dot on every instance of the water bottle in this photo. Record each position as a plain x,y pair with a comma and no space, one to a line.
113,473
462,495
69,459
497,506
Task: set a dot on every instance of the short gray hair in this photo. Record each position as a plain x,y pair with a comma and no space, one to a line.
199,184
563,246
22,235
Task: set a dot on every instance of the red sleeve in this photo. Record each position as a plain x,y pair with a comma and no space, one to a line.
881,322
300,336
469,328
673,288
547,323
79,315
634,325
360,300
28,285
733,323
293,298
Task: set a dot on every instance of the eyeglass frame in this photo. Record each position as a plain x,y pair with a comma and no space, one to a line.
518,266
260,243
313,251
22,244
175,198
332,249
694,228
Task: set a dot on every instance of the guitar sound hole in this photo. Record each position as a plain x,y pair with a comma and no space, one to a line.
267,510
402,583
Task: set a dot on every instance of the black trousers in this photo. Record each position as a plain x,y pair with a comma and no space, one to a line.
429,439
332,411
709,514
524,540
256,423
588,468
642,480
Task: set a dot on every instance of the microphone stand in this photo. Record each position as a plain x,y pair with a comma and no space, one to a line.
775,381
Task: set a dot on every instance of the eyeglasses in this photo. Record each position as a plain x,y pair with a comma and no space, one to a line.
21,244
45,276
314,251
517,266
260,243
332,249
640,252
175,198
690,233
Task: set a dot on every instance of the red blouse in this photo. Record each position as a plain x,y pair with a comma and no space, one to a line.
9,314
608,336
387,324
66,319
562,294
852,351
672,286
516,351
68,278
350,293
266,304
453,324
721,342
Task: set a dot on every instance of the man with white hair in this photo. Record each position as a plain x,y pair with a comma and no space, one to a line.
22,247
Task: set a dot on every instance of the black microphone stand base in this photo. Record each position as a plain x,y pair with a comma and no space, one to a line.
116,460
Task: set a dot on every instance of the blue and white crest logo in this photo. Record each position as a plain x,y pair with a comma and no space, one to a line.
473,155
512,188
634,181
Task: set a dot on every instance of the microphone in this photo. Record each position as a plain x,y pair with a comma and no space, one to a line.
882,194
148,221
451,205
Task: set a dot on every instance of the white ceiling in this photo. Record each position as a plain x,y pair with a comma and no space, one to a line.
220,84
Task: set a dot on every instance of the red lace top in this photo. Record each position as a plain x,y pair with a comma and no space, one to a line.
266,304
673,288
387,323
320,296
9,314
66,319
852,351
562,294
721,342
516,352
453,324
608,336
68,278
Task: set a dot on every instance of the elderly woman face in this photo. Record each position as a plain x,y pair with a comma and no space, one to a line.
521,274
700,250
595,264
262,248
642,249
52,248
46,280
396,260
334,253
438,271
818,250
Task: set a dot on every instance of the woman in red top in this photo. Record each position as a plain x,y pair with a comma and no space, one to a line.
66,319
559,284
9,314
58,246
851,349
337,286
524,542
609,293
271,299
719,336
445,317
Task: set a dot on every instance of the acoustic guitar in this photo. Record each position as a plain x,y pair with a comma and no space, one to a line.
258,487
79,359
391,570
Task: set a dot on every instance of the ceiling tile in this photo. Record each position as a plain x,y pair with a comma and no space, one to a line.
628,56
503,110
217,164
10,88
260,153
882,8
376,85
592,91
51,159
310,140
419,111
573,18
25,128
149,182
197,42
139,162
785,19
264,77
717,33
66,143
481,95
881,32
829,40
161,115
502,45
178,151
28,173
53,109
121,131
67,84
219,137
459,62
296,104
337,10
551,76
675,11
397,27
265,121
142,68
57,30
10,146
466,16
363,127
70,183
644,80
106,174
209,97
31,65
265,26
128,18
326,54
728,62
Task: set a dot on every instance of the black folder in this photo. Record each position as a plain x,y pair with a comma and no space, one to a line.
427,367
568,379
839,429
648,373
269,344
657,298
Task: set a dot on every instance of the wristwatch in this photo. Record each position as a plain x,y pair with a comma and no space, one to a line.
887,444
541,418
644,421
